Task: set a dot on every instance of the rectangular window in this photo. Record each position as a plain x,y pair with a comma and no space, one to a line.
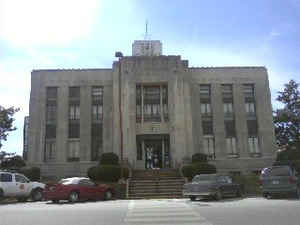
228,108
152,103
74,112
227,93
253,145
250,108
74,93
50,150
139,152
165,102
97,141
74,130
230,128
50,131
231,146
97,113
205,92
249,92
138,104
207,126
252,128
209,147
73,151
97,95
205,108
51,93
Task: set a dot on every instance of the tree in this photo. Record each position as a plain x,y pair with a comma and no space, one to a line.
287,119
6,122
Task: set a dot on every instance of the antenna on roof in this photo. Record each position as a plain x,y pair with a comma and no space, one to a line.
147,36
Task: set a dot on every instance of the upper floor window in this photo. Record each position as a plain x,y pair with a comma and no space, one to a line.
205,92
205,108
74,112
50,150
209,147
227,93
51,104
250,108
97,112
207,126
73,150
228,108
97,95
74,92
230,128
249,92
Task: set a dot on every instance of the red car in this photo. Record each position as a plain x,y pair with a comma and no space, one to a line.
77,188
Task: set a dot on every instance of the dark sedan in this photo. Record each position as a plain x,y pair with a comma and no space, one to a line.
77,188
211,185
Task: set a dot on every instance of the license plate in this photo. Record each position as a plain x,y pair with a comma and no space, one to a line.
275,182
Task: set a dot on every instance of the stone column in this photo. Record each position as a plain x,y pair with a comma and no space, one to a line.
85,123
62,123
218,121
240,120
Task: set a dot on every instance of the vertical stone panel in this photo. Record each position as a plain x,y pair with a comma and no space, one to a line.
62,123
85,123
196,118
108,118
218,121
240,120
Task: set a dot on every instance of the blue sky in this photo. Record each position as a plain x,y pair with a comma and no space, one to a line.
85,34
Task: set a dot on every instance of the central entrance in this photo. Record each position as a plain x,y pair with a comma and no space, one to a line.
154,151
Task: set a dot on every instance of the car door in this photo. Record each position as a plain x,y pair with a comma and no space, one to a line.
23,185
84,188
222,184
231,187
8,184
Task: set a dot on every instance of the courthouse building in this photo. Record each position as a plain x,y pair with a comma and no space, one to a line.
169,111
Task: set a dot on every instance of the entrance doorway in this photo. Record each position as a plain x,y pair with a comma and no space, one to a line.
154,151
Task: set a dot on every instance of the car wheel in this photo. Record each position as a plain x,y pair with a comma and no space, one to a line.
108,195
1,194
192,198
55,201
268,196
218,195
37,195
73,197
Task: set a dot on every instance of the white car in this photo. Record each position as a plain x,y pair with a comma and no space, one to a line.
20,187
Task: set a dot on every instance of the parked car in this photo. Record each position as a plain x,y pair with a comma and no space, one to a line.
211,185
279,180
77,188
20,187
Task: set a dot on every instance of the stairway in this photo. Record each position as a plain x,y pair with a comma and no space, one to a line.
155,184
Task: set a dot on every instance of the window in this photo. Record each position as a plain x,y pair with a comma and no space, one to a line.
138,104
152,103
97,95
231,146
97,143
252,128
5,177
73,151
204,91
205,108
21,179
227,93
74,130
253,145
97,104
97,112
207,127
51,112
250,108
50,131
228,108
230,128
139,153
74,93
209,147
50,149
249,92
165,102
74,112
51,92
86,182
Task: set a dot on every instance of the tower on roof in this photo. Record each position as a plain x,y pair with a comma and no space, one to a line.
146,47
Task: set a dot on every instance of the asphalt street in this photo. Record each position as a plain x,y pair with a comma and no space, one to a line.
243,211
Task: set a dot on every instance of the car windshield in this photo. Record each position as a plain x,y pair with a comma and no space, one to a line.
200,178
276,171
66,181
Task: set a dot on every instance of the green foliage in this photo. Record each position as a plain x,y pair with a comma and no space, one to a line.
199,158
6,122
14,162
194,169
107,173
287,119
288,154
32,173
294,164
250,184
109,158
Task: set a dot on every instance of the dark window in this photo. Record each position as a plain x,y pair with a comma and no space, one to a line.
152,103
98,113
97,133
20,179
207,127
51,112
97,95
86,182
74,112
139,153
165,102
138,104
74,92
6,177
74,130
51,92
230,128
205,92
50,131
227,92
252,128
249,92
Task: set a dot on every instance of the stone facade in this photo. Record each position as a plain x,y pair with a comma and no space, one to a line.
176,132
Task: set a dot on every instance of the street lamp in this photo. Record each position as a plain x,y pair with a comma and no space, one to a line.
119,55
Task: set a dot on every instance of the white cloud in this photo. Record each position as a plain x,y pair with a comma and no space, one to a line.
46,22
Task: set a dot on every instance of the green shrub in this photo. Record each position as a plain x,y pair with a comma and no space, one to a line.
194,169
289,154
109,158
249,183
199,158
107,173
32,173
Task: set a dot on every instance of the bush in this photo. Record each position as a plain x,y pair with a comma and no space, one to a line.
109,158
289,154
194,169
32,173
199,158
107,173
249,183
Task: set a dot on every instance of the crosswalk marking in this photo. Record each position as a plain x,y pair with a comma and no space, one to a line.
162,213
